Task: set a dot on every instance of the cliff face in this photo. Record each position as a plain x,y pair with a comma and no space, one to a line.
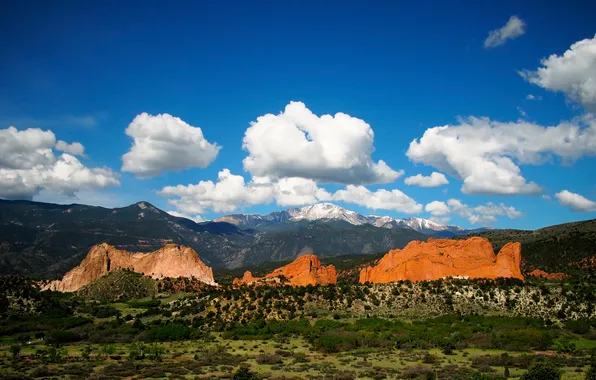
440,258
305,270
169,261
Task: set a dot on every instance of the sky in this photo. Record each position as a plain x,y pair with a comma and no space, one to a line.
467,113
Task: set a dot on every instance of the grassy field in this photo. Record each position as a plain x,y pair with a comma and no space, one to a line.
279,358
440,330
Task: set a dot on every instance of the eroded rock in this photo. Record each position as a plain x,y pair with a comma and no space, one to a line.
305,270
549,276
441,258
170,261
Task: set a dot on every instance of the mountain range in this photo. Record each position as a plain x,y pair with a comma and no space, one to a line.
46,240
328,212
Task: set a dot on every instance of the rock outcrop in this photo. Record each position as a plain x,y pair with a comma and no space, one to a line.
441,258
305,270
170,261
549,276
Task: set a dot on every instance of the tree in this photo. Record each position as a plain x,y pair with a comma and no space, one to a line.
542,371
136,351
15,351
55,354
155,352
86,353
243,373
506,373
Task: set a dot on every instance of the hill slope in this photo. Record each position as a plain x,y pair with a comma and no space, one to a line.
554,248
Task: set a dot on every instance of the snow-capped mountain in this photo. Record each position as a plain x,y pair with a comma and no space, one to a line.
327,211
331,212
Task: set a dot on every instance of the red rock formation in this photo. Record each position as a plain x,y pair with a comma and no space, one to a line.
440,258
247,279
305,270
548,276
169,261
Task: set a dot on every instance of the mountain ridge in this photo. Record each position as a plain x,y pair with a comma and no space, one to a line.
46,240
329,211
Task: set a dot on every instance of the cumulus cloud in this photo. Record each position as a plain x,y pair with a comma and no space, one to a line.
485,154
76,149
380,199
575,201
28,166
231,192
25,149
298,143
514,28
195,218
486,213
573,73
165,142
434,180
226,195
437,208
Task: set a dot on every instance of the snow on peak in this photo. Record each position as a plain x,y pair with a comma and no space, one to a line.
326,211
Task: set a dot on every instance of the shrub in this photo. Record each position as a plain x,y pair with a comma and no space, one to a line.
268,359
243,373
542,371
171,331
580,326
15,351
58,337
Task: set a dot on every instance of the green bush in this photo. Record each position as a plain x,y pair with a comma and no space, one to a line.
542,371
58,337
243,373
168,332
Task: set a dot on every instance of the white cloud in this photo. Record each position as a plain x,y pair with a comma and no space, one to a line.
484,213
380,199
165,142
573,73
546,197
440,219
437,208
196,218
28,166
514,28
434,180
575,201
226,195
76,148
298,143
231,192
533,97
25,149
485,154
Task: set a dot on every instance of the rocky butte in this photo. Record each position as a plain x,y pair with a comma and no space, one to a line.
170,261
441,258
305,270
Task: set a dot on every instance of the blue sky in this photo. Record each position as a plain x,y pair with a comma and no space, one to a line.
86,70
